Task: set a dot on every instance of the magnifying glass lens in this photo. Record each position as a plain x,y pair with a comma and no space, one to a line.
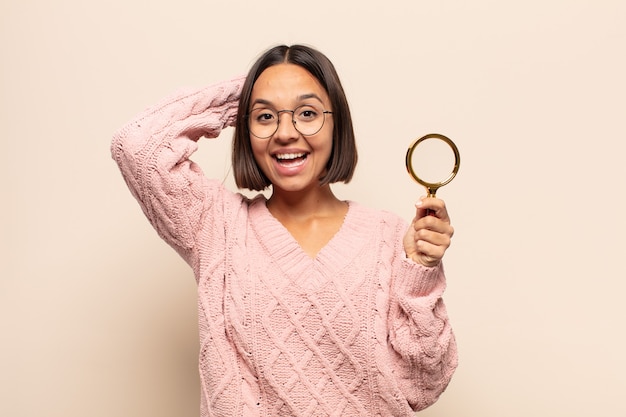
433,160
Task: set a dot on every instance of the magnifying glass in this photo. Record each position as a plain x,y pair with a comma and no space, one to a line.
429,159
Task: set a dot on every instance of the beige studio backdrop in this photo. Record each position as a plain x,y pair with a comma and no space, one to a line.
98,316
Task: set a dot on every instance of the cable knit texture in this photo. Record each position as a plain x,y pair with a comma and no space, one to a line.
359,330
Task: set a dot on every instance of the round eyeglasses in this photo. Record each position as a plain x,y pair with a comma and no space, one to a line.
307,119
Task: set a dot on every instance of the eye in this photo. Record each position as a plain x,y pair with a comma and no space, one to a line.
307,113
263,116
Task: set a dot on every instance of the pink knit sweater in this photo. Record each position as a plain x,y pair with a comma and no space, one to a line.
358,331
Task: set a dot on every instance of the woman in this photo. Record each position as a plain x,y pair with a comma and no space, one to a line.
308,305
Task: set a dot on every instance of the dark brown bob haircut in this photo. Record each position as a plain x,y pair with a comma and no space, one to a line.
343,158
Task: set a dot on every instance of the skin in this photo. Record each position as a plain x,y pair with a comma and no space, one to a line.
308,210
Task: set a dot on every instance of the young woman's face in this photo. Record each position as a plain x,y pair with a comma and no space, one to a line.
290,160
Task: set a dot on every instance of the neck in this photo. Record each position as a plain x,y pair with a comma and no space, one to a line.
305,203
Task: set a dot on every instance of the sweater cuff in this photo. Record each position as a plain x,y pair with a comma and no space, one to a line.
418,280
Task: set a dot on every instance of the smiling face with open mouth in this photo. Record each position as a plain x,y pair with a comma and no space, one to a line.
290,160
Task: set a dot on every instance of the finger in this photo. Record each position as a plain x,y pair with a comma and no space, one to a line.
433,224
432,206
434,238
429,253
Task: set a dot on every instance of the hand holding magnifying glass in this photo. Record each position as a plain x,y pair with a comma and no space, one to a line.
427,161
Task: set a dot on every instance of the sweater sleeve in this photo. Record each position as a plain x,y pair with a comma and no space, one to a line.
424,348
153,150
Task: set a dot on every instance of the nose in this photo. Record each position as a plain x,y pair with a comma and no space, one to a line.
286,127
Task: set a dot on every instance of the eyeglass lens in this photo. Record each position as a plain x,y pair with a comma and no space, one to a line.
307,119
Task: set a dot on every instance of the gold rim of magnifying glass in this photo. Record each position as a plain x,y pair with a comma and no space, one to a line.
432,187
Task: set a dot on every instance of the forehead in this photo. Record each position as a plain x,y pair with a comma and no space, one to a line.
287,83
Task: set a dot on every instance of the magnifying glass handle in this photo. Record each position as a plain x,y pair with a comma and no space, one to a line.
431,194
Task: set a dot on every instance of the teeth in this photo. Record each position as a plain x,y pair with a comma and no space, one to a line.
290,155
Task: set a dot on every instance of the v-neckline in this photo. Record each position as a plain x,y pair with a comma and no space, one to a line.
287,253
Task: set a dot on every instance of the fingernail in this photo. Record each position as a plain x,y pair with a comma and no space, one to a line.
420,201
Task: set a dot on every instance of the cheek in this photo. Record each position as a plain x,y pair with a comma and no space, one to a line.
256,147
259,152
327,145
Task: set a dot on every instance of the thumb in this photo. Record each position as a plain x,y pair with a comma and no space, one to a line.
422,208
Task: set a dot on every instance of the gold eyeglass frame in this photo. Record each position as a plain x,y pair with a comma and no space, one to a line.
432,187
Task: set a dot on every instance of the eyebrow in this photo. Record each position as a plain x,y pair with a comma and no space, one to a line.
310,95
301,97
